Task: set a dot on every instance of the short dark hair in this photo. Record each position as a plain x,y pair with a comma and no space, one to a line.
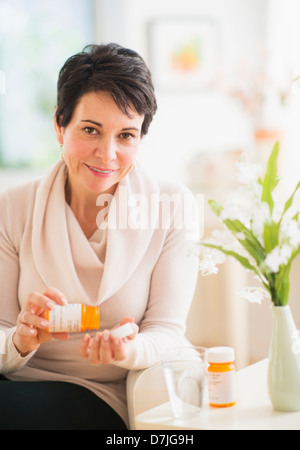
111,68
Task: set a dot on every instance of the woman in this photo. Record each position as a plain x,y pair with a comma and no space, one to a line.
79,235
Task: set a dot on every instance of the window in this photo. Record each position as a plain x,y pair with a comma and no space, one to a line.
36,37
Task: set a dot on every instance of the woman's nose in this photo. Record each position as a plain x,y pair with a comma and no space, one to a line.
107,150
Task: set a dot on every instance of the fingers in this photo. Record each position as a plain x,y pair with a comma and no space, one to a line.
37,304
28,323
102,348
31,323
119,349
111,348
135,331
61,336
56,296
84,346
29,318
126,320
89,348
94,351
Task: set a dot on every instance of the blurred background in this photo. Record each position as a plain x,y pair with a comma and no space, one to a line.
226,74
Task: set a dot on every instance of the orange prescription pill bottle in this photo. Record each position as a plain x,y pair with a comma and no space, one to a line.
221,377
73,318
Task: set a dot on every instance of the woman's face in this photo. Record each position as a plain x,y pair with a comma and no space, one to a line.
100,144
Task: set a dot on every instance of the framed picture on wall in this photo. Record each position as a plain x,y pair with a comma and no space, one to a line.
183,52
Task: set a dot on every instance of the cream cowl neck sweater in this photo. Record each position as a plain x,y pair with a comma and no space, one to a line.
139,263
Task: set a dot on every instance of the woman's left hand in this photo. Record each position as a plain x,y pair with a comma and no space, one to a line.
103,348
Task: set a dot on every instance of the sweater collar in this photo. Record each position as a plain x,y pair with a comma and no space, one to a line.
58,250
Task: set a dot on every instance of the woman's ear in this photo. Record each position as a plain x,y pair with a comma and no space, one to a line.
58,130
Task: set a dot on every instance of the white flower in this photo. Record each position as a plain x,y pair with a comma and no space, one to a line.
208,268
291,232
249,210
260,215
209,259
248,174
278,206
221,237
237,208
254,294
277,257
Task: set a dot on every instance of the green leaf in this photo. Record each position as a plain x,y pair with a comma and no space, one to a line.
289,202
271,179
215,207
282,284
250,243
271,232
242,260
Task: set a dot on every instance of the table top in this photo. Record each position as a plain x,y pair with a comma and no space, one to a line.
253,410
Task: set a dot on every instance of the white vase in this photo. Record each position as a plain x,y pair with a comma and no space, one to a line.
284,362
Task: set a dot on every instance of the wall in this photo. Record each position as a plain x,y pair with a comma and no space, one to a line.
189,122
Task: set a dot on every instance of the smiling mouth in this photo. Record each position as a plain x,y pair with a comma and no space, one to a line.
100,170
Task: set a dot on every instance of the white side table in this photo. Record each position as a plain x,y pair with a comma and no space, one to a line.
253,410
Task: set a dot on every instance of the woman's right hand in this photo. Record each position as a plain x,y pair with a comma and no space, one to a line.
31,324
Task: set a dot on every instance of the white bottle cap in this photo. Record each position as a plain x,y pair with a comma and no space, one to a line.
122,331
220,355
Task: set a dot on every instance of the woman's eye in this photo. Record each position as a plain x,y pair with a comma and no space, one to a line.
127,136
90,130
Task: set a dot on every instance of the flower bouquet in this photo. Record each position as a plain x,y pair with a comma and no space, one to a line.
263,235
265,240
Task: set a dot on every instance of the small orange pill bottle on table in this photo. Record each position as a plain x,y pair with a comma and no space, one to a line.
73,318
221,377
